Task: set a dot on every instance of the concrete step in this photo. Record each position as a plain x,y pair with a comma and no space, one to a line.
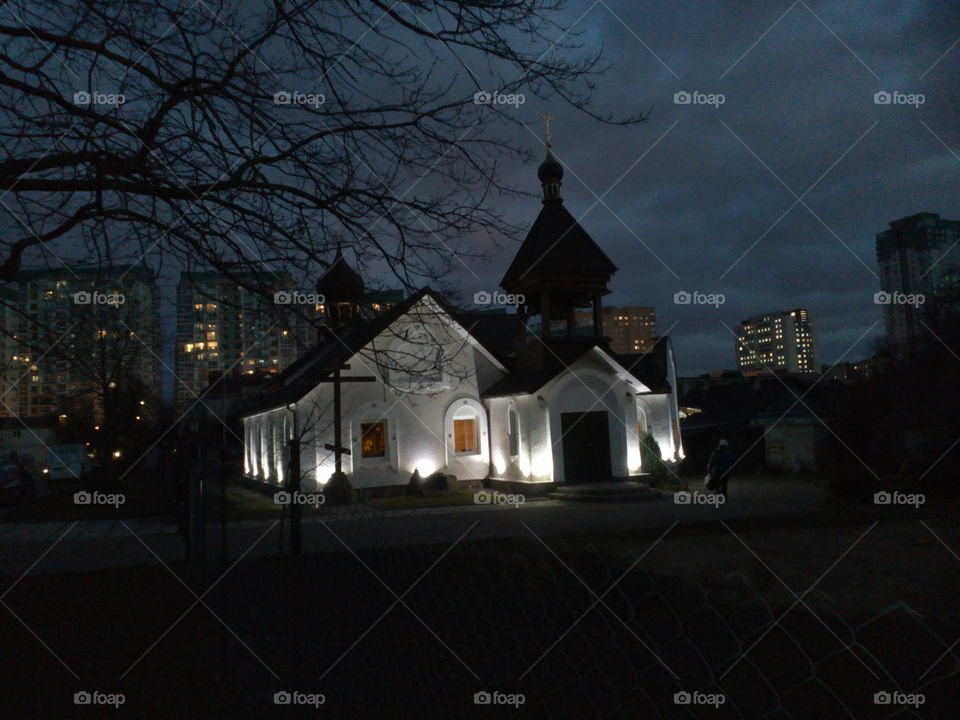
629,491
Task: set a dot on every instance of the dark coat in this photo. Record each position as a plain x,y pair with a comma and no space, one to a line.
721,462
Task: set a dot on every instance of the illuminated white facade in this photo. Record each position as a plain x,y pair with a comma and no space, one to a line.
441,419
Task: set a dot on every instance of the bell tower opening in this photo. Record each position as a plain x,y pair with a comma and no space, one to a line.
343,291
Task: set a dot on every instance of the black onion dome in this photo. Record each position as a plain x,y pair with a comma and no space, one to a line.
550,169
341,283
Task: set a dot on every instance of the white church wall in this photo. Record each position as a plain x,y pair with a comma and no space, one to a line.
674,403
419,424
591,386
536,462
504,464
265,456
656,408
467,465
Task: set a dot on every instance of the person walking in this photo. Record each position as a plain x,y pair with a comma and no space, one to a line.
720,464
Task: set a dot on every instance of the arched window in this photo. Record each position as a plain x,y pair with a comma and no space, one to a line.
465,427
513,432
466,432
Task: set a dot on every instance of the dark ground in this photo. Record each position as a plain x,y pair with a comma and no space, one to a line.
505,614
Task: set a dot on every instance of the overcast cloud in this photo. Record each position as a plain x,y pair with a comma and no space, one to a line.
708,207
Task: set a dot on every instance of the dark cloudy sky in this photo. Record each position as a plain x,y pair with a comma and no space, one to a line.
706,198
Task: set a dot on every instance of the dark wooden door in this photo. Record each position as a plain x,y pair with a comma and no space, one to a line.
586,447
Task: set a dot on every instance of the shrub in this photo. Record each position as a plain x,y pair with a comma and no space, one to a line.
651,461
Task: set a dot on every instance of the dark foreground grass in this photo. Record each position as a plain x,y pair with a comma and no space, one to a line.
417,632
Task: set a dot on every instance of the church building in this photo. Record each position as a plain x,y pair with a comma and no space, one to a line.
527,401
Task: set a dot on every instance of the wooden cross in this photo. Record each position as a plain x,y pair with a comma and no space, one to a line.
547,117
337,447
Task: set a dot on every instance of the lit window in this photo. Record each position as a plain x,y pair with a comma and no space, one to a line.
373,439
465,437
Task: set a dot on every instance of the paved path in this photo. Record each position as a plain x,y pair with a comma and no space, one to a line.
87,545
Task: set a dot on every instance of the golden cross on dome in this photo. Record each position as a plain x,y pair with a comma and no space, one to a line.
547,118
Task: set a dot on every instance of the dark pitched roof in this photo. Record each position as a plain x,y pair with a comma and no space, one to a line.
521,383
341,283
498,333
557,242
650,367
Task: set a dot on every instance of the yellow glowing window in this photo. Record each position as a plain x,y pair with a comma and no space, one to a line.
373,439
465,437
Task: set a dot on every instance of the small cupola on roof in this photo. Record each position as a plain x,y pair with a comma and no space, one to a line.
343,291
559,267
550,173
